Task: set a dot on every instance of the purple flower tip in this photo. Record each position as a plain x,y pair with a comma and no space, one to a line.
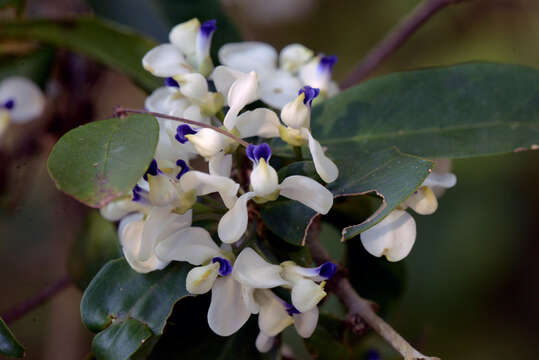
182,131
9,104
225,267
256,152
153,170
184,168
327,62
208,27
291,309
310,94
327,270
171,82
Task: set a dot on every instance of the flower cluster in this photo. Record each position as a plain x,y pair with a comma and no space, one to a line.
156,223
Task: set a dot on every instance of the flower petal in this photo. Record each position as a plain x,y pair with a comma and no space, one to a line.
308,192
28,99
306,294
306,322
439,180
260,122
165,60
326,168
183,36
279,88
116,210
191,244
273,317
242,92
200,279
233,224
392,237
193,86
252,270
223,77
166,100
162,190
227,312
293,56
220,165
205,184
422,201
249,56
264,343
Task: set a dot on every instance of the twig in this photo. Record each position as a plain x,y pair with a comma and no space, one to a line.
121,110
22,309
359,309
396,37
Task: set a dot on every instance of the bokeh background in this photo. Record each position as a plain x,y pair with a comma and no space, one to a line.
471,288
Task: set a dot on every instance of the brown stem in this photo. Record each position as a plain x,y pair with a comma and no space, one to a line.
121,110
359,309
396,37
22,309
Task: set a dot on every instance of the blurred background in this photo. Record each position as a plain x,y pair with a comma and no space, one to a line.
471,288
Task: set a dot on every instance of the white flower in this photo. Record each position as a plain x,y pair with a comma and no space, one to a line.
139,236
306,293
20,101
394,236
265,187
297,116
187,51
275,315
279,86
116,210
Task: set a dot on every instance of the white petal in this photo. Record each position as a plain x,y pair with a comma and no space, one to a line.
223,77
310,75
252,270
130,234
233,224
242,92
308,192
200,279
193,85
422,201
306,322
193,245
273,317
28,98
306,294
249,300
392,237
260,122
162,190
293,56
193,112
296,114
165,60
166,100
447,180
279,88
227,312
220,165
205,184
159,224
264,179
326,168
116,210
249,56
184,35
208,142
264,343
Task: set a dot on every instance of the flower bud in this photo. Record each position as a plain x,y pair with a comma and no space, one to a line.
201,278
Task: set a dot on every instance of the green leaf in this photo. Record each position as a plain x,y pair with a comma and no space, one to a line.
121,340
387,173
117,293
103,160
96,245
9,346
452,112
157,17
35,66
112,45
